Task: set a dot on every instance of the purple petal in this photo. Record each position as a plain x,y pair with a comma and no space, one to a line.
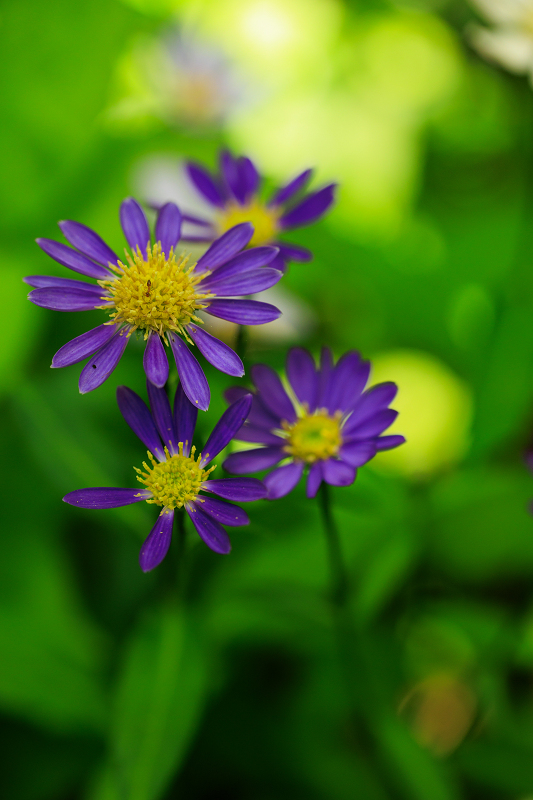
294,252
102,364
58,299
204,223
82,346
310,209
72,259
162,415
233,393
219,354
225,513
375,399
156,545
338,473
388,442
50,281
243,312
256,280
226,428
314,479
88,242
257,435
259,415
229,168
185,415
253,460
249,177
134,225
325,376
349,378
303,376
249,259
210,531
155,361
282,480
138,417
241,490
273,395
190,373
226,246
358,453
205,184
290,189
168,227
280,263
372,426
105,497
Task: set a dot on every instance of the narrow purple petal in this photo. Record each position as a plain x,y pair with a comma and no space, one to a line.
294,252
282,480
249,177
190,373
375,399
338,473
226,428
257,435
219,354
273,395
58,299
350,378
168,227
259,415
310,209
197,239
138,417
156,545
253,460
388,442
226,246
233,393
204,223
249,259
102,364
314,479
185,415
82,346
358,453
302,375
155,361
209,530
105,497
205,184
372,426
50,281
290,189
72,259
325,376
162,415
243,312
251,282
225,513
87,242
229,168
134,225
241,490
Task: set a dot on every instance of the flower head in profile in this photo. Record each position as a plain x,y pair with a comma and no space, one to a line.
325,422
234,195
509,40
159,293
175,475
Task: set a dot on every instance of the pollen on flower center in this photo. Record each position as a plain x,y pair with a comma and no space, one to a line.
264,220
155,293
173,482
313,438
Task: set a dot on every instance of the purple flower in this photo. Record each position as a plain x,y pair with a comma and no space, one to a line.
327,422
159,293
175,475
234,195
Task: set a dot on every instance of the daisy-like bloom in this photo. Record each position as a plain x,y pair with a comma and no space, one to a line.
176,475
509,41
324,421
159,293
234,195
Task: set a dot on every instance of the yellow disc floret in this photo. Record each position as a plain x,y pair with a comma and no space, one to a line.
155,293
176,481
264,220
314,437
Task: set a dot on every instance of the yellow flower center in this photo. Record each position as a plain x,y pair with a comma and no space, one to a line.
314,437
173,482
155,293
264,220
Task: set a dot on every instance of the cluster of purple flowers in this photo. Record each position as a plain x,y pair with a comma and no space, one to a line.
324,421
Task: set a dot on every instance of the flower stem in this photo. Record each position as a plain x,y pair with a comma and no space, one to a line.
241,344
339,578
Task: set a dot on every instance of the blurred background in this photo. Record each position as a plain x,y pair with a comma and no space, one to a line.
111,686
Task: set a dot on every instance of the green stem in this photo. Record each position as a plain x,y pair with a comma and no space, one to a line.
339,577
241,345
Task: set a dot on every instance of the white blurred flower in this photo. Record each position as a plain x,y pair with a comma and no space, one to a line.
509,42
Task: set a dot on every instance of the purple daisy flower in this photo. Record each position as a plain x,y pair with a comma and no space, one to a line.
159,293
234,195
175,475
326,422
